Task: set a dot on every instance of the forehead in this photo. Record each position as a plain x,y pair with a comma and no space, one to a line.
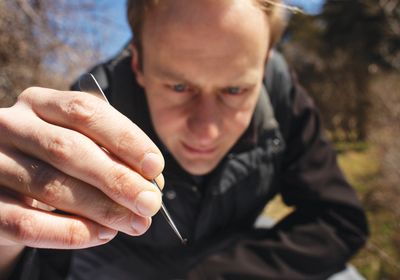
205,19
205,28
208,14
183,10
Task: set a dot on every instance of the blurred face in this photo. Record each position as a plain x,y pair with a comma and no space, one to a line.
202,72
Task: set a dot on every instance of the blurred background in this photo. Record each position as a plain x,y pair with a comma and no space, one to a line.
345,52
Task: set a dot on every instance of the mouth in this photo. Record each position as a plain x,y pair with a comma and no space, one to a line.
200,151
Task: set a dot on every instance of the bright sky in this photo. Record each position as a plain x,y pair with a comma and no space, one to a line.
122,34
309,6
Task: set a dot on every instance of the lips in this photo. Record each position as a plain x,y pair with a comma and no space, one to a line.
199,150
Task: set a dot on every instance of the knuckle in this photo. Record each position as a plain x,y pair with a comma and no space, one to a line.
60,149
113,215
134,140
27,94
76,236
125,141
120,183
53,192
46,182
80,109
25,229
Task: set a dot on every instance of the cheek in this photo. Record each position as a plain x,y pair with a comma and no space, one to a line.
168,122
238,121
238,124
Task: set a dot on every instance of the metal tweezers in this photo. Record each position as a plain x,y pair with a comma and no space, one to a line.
88,83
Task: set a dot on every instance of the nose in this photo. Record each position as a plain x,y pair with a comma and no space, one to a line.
204,122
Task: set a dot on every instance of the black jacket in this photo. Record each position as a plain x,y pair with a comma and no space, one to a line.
282,152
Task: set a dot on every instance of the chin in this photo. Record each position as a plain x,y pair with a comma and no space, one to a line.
198,169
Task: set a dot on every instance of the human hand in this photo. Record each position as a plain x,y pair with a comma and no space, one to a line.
74,152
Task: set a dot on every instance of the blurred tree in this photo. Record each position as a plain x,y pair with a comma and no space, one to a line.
354,35
17,57
389,47
48,43
337,52
349,59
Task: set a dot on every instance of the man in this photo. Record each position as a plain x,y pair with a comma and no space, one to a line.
232,135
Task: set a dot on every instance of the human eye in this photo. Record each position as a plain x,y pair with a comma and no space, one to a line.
179,87
233,90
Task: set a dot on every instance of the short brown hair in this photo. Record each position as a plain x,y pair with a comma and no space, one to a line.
137,10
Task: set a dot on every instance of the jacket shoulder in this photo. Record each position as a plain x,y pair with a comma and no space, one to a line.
280,85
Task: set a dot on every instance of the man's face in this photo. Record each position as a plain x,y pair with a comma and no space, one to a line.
203,65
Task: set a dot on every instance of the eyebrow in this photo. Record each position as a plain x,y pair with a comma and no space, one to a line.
242,80
164,73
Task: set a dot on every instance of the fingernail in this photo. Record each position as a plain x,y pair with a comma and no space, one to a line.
106,233
152,165
139,225
147,203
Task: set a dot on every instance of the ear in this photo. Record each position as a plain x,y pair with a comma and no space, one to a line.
135,65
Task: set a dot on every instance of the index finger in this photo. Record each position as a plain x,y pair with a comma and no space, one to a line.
102,123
